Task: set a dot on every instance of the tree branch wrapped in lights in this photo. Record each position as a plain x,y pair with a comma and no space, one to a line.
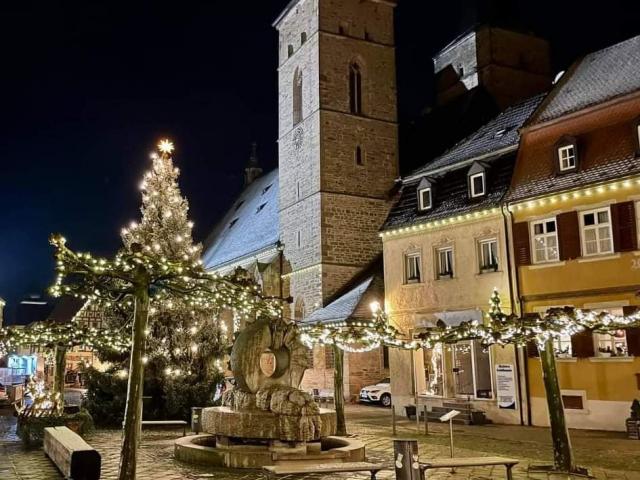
498,329
158,271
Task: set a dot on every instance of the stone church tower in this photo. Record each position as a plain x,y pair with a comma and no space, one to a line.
338,140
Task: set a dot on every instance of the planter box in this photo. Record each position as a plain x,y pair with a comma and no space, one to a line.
633,429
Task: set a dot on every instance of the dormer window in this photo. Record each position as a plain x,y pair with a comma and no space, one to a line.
567,155
425,194
424,198
477,180
477,183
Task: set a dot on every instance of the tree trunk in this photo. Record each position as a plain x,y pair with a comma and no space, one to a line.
58,375
562,451
338,391
133,409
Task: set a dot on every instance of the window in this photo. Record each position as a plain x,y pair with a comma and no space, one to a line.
573,402
412,266
424,198
297,97
303,38
445,262
638,137
299,238
385,356
266,189
310,359
596,232
608,345
289,50
232,223
260,207
545,241
355,89
567,157
472,370
477,185
489,255
562,346
359,156
298,190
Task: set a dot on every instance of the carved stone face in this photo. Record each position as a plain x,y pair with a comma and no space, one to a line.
267,353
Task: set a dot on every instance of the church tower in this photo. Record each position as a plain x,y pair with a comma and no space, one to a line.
338,140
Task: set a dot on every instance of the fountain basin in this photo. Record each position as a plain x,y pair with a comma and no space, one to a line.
223,452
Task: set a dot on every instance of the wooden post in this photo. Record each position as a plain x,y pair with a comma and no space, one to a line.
426,421
59,372
338,390
405,458
562,452
393,420
133,410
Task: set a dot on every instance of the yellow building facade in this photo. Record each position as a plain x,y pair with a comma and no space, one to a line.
575,207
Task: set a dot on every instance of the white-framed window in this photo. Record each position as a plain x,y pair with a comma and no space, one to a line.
611,345
544,236
596,232
412,267
424,198
562,346
488,255
567,157
477,184
445,262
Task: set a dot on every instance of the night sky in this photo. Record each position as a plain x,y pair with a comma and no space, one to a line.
87,89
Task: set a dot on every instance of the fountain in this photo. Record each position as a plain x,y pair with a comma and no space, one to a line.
266,419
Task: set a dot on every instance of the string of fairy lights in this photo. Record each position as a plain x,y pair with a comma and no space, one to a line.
498,329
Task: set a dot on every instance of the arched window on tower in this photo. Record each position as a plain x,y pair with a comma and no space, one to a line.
298,312
297,97
303,38
355,89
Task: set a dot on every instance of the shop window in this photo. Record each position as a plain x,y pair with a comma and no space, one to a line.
472,370
488,255
596,232
445,262
434,370
544,236
412,268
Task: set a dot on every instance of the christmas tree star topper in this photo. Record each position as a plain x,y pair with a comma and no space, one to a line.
166,146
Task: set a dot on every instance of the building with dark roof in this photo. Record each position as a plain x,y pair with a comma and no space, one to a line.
445,249
575,207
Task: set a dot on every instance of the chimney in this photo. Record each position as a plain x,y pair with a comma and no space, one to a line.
253,170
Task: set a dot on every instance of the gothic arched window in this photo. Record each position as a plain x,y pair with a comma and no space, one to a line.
297,97
355,89
298,312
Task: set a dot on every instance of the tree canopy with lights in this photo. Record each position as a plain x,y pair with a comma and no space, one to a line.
499,329
153,272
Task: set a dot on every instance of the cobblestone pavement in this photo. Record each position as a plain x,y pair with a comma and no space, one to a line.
608,455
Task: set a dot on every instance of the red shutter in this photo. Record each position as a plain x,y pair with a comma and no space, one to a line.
532,350
568,235
623,220
582,345
521,247
633,334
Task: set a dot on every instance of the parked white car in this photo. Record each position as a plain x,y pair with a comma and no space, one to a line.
378,393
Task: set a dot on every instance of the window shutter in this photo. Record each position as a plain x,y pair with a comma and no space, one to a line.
582,345
623,219
532,350
568,235
521,247
633,334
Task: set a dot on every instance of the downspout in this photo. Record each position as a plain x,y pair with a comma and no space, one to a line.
507,222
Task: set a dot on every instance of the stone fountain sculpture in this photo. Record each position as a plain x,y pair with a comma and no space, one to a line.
266,419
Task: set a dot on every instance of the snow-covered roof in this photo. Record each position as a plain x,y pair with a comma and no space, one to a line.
250,227
342,308
598,77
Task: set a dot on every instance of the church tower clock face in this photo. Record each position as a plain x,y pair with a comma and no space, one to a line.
298,138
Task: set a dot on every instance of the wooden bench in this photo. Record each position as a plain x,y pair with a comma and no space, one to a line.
74,458
166,423
470,462
347,467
